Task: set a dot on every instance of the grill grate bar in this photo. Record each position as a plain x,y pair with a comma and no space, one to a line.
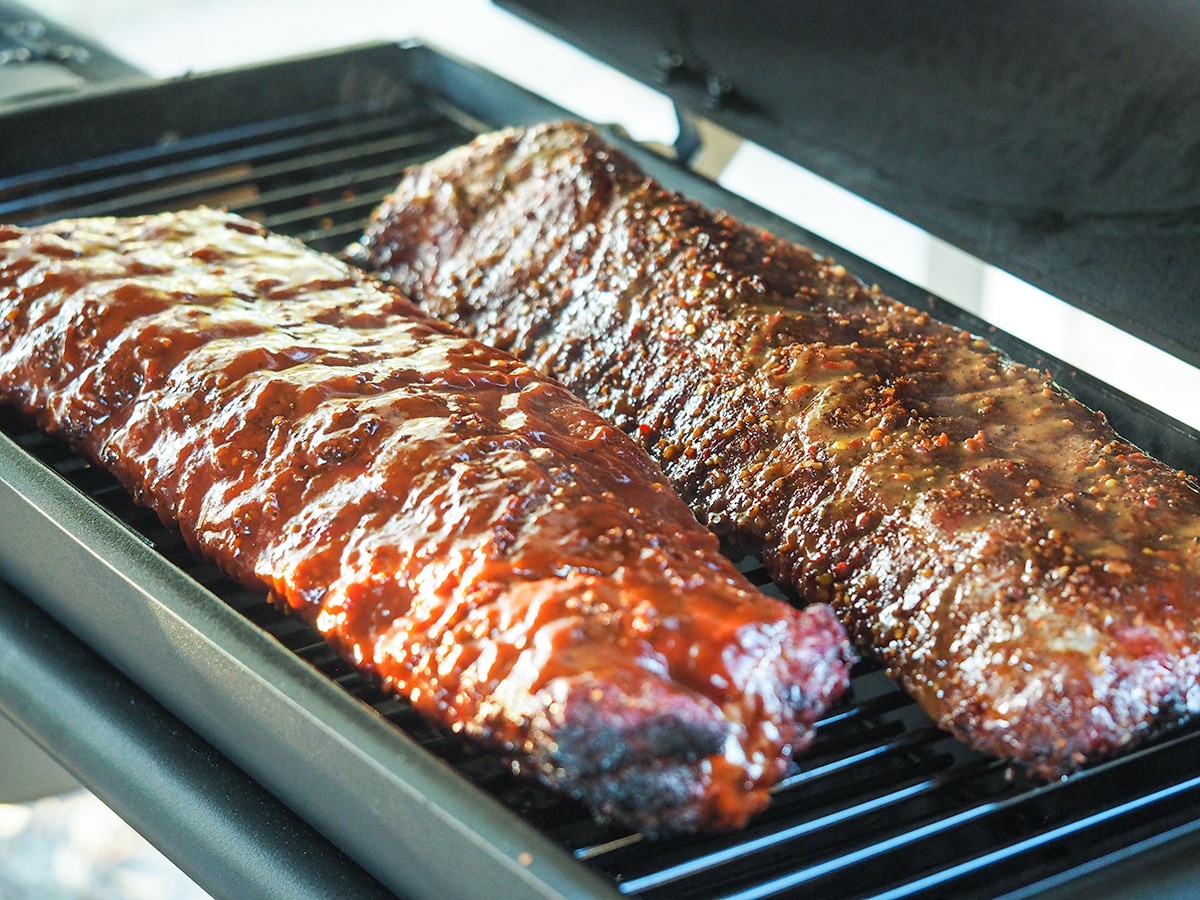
974,865
862,856
852,831
906,740
100,172
378,178
102,194
356,206
872,707
229,177
331,238
738,852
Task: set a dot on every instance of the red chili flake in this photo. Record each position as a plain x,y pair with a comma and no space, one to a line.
644,430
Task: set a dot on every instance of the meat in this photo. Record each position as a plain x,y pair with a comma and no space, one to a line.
453,522
1029,577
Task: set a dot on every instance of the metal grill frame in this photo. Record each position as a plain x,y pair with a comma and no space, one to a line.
398,804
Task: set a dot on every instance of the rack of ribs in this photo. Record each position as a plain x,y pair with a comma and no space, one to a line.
1030,578
456,524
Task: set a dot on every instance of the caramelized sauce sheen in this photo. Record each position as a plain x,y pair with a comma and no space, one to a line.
453,522
1032,579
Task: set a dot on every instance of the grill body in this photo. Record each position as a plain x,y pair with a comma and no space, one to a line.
884,805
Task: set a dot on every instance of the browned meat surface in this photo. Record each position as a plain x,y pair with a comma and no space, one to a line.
1030,578
452,521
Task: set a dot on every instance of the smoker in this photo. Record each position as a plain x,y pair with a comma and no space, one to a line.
1058,142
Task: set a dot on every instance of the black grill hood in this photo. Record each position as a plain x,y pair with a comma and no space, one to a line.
41,60
1057,140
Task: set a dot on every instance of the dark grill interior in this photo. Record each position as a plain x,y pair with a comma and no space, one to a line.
885,805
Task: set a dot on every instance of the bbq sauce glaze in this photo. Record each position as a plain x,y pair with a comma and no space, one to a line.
454,523
1029,577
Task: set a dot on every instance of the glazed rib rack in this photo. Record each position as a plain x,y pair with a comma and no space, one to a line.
884,805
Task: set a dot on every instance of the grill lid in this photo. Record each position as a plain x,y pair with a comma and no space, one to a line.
1059,141
40,60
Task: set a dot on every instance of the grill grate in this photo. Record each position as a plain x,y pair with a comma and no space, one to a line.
316,176
884,805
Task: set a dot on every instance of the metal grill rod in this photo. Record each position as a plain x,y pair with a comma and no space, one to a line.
136,158
178,166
